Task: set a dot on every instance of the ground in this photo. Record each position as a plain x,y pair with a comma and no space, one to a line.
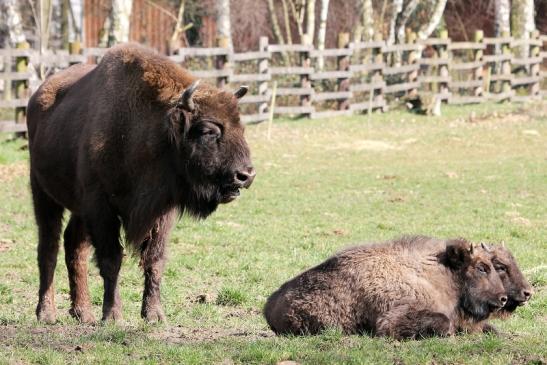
479,172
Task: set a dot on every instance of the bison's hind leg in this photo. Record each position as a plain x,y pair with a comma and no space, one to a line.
49,217
77,248
411,323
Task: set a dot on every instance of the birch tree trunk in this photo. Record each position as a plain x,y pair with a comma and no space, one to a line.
402,19
322,33
287,21
522,21
310,22
174,41
223,22
298,16
275,24
367,18
396,9
119,19
434,21
503,12
11,19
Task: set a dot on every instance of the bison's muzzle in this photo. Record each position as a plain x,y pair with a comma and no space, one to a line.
242,179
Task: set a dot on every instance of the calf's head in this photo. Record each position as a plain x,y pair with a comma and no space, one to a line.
213,156
481,289
516,286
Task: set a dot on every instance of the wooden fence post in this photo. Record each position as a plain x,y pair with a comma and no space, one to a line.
221,61
535,67
477,57
263,65
343,65
377,95
305,79
444,71
506,67
21,86
412,59
74,48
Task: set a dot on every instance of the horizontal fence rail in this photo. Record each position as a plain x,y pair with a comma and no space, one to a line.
352,78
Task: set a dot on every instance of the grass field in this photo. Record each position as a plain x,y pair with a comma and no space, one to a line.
479,172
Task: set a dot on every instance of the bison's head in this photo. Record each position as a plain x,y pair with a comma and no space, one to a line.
516,286
213,156
482,290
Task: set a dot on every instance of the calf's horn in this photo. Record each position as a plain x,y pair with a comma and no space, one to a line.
186,101
485,247
241,91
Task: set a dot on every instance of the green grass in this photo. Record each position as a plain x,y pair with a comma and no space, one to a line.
479,172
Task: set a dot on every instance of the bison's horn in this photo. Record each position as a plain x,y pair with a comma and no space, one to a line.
502,243
186,101
471,248
485,247
241,91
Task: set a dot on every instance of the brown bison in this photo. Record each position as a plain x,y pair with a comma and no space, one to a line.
407,288
128,143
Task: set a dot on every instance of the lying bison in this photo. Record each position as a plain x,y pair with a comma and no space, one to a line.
408,288
129,143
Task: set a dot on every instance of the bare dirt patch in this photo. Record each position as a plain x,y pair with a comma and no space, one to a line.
12,171
179,335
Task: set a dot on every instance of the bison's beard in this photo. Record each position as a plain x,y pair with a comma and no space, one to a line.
202,199
477,309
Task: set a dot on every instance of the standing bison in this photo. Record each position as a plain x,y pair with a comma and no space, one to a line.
407,288
128,143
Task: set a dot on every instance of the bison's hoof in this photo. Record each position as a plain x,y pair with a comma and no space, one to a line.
46,313
153,314
113,315
83,315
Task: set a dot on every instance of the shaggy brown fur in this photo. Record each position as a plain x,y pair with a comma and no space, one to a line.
118,145
407,288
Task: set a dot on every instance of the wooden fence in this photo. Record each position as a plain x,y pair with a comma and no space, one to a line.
356,77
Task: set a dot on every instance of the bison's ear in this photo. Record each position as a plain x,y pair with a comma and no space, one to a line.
186,102
458,254
241,91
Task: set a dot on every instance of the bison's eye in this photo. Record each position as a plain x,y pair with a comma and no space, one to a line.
209,131
500,268
482,269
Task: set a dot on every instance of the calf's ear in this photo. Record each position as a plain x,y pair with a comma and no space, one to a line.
458,253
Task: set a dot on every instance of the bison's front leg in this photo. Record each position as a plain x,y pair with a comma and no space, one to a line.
411,323
77,249
103,226
152,262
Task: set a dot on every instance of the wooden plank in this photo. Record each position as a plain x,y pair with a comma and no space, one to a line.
366,67
295,70
525,80
401,69
524,98
500,96
444,96
15,75
15,103
501,77
434,79
466,84
250,77
99,52
334,95
367,87
435,61
465,99
247,56
296,91
211,73
498,40
526,61
330,113
254,118
435,42
497,58
289,48
403,47
253,99
294,109
203,52
368,45
331,75
456,46
466,65
11,127
401,87
331,52
17,52
526,42
366,105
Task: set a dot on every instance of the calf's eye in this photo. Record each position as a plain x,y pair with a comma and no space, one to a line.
501,268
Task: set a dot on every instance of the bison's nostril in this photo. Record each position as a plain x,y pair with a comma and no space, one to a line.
245,178
527,294
503,299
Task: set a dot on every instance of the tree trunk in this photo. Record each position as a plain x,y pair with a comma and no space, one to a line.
310,22
65,23
402,19
298,16
434,20
321,35
522,21
275,25
396,9
367,17
223,22
120,16
287,21
11,18
503,12
174,42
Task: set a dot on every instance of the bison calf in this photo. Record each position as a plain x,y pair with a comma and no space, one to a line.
129,143
407,288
